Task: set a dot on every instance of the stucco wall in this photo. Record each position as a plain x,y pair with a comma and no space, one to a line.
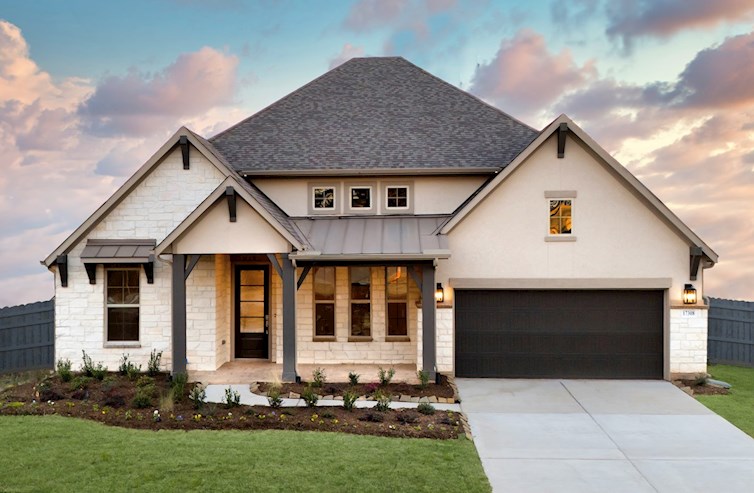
153,209
431,194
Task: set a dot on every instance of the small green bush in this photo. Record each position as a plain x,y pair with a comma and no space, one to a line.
232,398
142,399
407,417
274,397
64,370
128,368
423,378
178,383
144,381
349,398
310,396
108,383
80,382
153,366
87,368
353,378
99,371
385,376
198,395
318,377
383,401
426,408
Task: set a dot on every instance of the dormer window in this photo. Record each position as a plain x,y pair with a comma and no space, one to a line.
324,198
361,198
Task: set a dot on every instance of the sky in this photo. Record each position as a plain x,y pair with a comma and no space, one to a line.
90,90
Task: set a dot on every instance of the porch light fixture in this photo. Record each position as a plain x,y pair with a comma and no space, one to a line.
439,293
689,295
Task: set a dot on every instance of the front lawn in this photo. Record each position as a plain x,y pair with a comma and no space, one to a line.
52,453
738,406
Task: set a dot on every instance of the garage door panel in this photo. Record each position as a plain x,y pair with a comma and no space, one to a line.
569,334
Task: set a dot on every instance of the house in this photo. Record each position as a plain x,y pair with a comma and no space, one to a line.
381,215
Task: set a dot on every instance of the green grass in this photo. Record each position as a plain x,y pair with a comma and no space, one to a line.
51,453
738,406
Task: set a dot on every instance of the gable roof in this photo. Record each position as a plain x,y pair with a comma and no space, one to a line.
625,176
205,148
372,114
248,194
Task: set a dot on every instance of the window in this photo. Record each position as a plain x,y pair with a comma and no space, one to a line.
122,287
361,198
396,197
560,217
361,308
396,282
324,302
323,198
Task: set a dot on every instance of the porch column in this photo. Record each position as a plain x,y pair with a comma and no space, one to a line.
289,319
428,321
179,314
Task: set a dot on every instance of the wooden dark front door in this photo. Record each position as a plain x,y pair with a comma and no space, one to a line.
252,308
559,334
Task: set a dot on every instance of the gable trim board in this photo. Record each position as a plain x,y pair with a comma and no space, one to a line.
131,183
218,194
629,180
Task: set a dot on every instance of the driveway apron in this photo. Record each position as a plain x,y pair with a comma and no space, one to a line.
602,435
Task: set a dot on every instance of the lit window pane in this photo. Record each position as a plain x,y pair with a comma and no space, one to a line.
252,277
252,325
560,217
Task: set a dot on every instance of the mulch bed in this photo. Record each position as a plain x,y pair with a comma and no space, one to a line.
699,387
111,402
442,389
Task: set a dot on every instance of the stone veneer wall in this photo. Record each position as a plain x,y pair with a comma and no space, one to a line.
224,325
377,351
153,209
688,341
201,315
443,337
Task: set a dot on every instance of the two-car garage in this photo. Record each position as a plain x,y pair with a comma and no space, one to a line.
559,333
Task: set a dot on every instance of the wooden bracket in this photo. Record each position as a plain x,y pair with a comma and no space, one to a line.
302,278
695,258
62,262
562,131
149,270
230,193
184,143
91,272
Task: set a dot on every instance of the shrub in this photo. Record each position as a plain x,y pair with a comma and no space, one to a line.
108,383
80,382
128,368
373,417
274,398
383,402
423,378
178,383
144,381
232,398
198,395
309,396
349,398
142,399
318,377
353,377
153,366
407,417
426,408
385,376
89,370
167,401
99,371
64,370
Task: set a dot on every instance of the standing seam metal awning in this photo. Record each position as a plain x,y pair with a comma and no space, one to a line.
373,238
119,252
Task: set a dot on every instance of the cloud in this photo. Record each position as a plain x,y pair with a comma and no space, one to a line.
524,77
631,19
346,53
371,14
138,104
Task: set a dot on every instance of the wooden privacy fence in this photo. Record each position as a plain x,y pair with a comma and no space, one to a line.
730,332
27,336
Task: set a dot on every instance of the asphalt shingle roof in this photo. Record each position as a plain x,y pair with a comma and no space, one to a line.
374,113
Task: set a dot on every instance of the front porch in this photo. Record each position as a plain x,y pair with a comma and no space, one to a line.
248,371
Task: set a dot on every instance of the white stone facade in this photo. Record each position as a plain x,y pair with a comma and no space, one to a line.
688,341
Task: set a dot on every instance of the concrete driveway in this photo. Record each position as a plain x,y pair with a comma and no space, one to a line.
596,435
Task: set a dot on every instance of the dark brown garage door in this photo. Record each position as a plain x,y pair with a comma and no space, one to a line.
558,334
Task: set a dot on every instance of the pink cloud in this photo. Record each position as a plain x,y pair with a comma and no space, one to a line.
524,77
629,19
346,53
139,104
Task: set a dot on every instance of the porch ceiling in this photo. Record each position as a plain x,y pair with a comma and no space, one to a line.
376,238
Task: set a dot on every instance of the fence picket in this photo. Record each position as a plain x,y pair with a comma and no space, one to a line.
730,332
27,337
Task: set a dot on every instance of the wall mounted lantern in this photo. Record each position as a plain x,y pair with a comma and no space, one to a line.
439,293
689,295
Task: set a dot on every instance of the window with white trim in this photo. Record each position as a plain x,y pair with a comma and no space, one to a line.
396,197
122,303
561,216
361,197
323,198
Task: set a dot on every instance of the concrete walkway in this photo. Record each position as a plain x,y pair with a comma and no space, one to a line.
216,393
597,436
